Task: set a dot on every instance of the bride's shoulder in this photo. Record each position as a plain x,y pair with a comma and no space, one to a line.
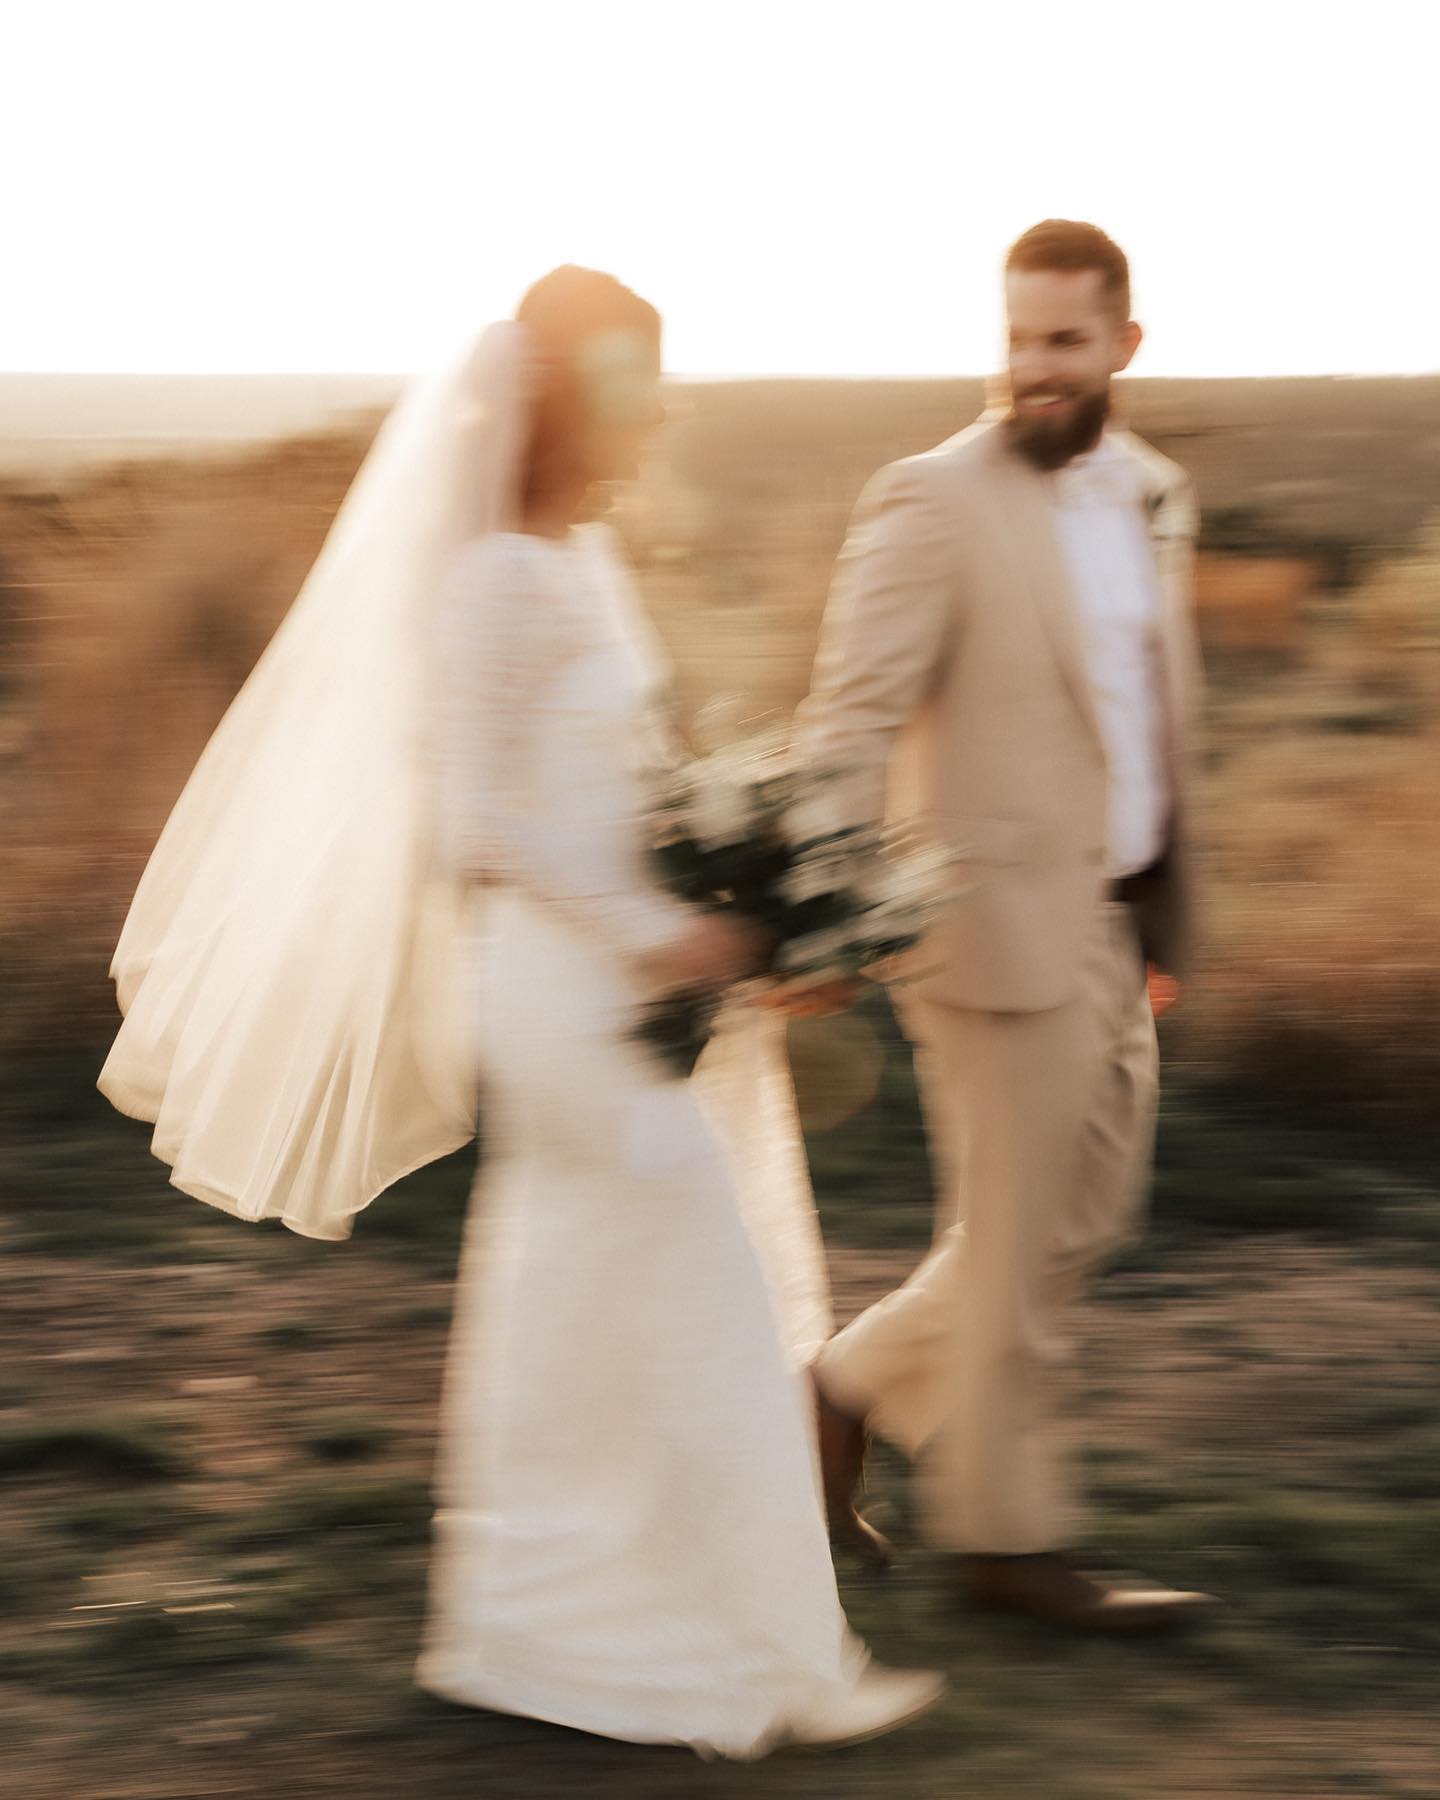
530,594
504,565
499,552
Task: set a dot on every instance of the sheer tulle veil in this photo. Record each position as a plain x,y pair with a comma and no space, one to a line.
291,970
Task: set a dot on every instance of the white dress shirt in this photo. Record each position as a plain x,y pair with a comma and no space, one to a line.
1112,572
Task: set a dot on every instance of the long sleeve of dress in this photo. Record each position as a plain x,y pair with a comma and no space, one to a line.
507,631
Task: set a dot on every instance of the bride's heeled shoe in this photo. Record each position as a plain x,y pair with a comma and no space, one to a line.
884,1700
843,1440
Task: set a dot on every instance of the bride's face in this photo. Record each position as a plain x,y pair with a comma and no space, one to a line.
620,384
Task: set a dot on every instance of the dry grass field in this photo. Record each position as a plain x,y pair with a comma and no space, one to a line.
134,599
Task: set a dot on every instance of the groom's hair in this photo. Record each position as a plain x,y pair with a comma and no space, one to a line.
1066,246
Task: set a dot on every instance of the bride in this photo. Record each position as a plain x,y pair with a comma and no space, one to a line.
407,881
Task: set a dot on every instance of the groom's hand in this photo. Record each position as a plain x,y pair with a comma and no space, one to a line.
812,1000
1164,989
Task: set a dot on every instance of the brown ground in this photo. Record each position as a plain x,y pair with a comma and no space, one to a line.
1266,1349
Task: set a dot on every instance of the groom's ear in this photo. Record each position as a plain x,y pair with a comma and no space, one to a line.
1127,344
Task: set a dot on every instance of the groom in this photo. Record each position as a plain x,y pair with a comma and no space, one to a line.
1008,651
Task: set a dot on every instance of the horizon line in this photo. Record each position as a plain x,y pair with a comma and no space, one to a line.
401,376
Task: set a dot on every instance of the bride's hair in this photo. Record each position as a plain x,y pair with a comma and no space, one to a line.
562,312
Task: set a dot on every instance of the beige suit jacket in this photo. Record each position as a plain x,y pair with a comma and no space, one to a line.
951,687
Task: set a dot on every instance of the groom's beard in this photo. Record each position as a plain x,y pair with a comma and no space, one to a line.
1050,443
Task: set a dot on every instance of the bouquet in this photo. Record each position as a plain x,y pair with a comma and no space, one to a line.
748,829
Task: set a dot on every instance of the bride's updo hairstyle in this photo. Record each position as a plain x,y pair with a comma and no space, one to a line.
588,331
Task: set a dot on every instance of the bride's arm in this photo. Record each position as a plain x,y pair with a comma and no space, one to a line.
505,637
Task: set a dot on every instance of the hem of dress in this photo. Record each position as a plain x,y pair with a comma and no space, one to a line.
460,1683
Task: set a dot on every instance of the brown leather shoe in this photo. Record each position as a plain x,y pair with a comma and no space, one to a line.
843,1441
1048,1587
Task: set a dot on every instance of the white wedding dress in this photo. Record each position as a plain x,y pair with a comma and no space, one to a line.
629,1538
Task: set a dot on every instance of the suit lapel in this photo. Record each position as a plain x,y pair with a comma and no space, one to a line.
1039,564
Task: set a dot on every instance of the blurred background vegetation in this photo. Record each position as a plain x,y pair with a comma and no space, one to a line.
134,599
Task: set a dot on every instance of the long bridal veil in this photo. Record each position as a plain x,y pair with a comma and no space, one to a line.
290,972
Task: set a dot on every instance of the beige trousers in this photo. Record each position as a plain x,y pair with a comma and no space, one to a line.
1043,1125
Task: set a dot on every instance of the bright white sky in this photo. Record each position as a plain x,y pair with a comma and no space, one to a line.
802,186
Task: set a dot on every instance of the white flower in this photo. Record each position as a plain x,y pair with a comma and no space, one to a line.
816,812
815,875
722,803
819,950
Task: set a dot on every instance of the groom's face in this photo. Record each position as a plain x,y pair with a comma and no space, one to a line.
1066,342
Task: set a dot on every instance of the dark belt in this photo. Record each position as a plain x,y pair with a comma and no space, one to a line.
1132,889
